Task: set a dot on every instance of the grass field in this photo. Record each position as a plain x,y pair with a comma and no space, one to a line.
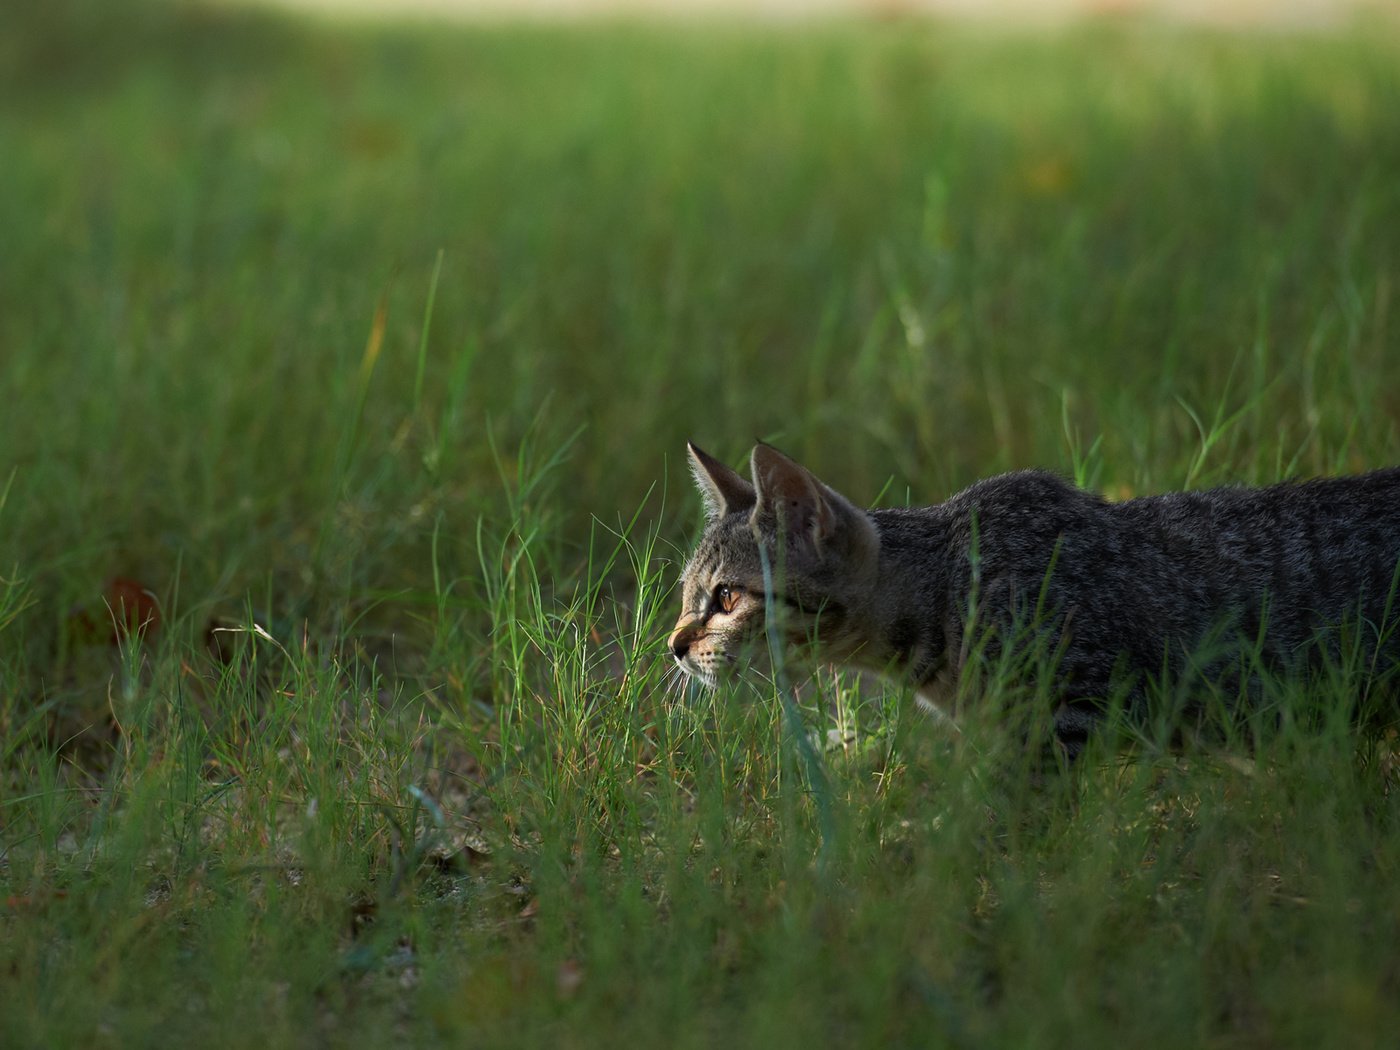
370,354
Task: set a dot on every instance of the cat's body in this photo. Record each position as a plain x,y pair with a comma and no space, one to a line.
1115,593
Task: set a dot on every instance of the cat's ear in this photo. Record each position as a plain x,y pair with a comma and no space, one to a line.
814,516
723,490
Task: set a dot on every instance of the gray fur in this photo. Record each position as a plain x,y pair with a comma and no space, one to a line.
1121,592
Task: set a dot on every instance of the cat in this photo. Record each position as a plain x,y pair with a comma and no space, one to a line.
1118,593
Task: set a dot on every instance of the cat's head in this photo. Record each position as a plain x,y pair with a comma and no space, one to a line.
820,550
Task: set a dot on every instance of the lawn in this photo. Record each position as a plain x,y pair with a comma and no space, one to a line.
347,374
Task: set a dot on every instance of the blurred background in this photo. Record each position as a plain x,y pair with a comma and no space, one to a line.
293,300
1238,12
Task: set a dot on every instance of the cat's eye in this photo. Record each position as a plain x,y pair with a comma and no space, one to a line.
726,597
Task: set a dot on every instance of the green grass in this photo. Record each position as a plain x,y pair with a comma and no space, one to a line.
371,353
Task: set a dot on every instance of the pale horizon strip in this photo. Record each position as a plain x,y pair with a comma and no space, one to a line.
1239,13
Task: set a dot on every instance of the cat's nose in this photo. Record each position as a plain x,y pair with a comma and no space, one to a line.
680,640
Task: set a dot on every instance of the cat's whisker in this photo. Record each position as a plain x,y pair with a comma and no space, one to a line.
678,679
670,683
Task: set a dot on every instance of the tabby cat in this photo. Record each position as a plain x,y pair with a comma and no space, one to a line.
1119,593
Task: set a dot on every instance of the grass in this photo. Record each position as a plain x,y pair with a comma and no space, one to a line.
370,354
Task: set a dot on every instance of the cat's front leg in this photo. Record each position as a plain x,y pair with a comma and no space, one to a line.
939,693
1074,722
